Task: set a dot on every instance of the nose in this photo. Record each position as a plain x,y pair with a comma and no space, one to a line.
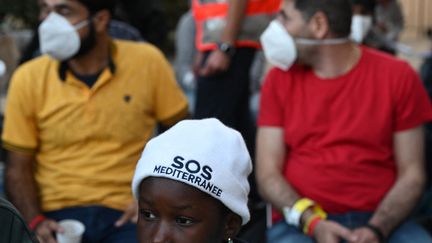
163,233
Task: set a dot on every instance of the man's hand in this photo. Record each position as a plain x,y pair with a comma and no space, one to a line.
332,232
46,230
130,215
217,62
196,66
365,235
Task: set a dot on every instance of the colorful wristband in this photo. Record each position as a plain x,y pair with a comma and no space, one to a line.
377,231
309,221
36,221
318,210
293,215
312,225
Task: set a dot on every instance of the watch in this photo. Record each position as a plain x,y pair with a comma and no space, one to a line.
226,48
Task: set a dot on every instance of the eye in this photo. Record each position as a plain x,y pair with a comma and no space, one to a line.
64,12
147,215
44,10
185,221
282,16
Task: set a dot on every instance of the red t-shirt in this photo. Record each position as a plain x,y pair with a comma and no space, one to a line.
339,132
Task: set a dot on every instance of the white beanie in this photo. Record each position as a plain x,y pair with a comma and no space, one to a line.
204,154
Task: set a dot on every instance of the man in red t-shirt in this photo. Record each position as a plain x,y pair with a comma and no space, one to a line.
340,139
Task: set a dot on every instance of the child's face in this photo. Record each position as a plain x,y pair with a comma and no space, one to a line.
170,211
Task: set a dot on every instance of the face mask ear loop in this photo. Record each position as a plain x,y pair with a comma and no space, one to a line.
337,41
85,22
82,24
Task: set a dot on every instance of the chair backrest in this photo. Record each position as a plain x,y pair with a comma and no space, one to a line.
13,227
269,220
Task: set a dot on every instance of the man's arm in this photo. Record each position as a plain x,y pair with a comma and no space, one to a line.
404,195
274,188
219,61
236,13
22,191
20,185
409,185
270,156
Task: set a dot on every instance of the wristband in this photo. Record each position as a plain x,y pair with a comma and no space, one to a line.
312,225
292,215
377,231
317,210
36,221
311,220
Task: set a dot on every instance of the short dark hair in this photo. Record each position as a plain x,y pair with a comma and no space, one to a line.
368,5
338,12
96,5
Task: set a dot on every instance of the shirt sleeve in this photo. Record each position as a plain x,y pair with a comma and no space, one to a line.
413,106
169,99
19,128
271,110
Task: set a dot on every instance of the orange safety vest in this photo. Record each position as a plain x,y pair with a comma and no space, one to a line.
210,17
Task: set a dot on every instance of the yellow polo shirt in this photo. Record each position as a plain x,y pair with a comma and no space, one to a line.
87,140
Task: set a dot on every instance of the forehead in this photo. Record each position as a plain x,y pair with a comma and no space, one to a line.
175,193
288,9
70,3
291,17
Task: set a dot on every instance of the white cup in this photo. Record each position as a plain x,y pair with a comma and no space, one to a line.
73,231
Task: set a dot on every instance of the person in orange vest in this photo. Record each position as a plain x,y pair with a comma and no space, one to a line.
227,38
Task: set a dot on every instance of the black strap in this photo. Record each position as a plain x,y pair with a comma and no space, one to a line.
377,231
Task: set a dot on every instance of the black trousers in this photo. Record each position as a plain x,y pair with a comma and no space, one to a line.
226,95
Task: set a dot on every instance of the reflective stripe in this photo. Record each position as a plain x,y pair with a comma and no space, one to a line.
252,27
210,20
204,9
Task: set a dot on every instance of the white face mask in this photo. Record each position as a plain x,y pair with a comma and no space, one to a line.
280,47
58,38
2,68
360,26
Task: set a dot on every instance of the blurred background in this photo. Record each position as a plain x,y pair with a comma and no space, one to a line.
157,22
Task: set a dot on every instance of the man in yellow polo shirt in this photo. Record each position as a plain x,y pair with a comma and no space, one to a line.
78,118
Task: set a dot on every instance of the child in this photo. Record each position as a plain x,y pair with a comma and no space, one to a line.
191,184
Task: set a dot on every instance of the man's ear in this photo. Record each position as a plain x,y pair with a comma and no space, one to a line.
319,25
233,224
101,20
